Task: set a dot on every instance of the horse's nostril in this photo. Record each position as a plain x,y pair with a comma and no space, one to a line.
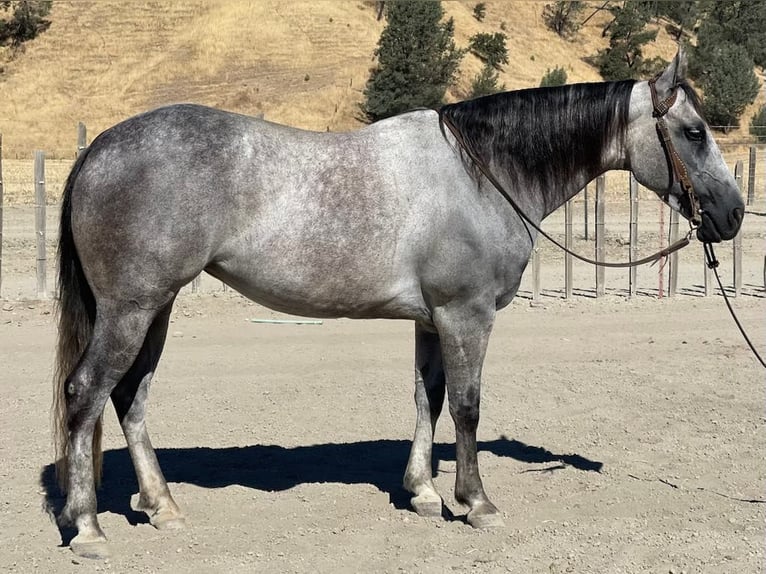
735,216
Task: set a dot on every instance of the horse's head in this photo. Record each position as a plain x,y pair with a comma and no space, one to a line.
688,173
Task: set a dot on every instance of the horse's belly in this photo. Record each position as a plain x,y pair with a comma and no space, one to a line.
311,291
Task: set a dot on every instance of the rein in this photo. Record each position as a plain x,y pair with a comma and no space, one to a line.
678,171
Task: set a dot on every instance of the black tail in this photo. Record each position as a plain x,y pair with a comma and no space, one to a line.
76,312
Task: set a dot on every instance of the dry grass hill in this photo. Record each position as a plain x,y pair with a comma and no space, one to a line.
299,62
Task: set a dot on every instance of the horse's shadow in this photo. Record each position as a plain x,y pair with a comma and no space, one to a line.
275,468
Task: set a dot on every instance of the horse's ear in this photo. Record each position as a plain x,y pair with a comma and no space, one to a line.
674,73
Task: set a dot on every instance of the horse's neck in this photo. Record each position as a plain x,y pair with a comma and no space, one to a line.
556,196
557,192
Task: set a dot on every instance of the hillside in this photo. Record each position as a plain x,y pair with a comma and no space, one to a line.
299,62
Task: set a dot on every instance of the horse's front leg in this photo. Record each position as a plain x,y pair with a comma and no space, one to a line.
129,398
464,331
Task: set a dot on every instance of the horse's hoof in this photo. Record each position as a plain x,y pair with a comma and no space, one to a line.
485,520
168,521
427,505
92,549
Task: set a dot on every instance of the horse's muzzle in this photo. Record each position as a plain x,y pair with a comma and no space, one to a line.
714,230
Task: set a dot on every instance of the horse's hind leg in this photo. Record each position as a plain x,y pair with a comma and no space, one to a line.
118,335
429,398
129,398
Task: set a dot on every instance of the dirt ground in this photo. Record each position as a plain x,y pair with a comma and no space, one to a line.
618,435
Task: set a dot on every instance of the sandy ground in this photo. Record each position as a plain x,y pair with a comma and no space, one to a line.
617,435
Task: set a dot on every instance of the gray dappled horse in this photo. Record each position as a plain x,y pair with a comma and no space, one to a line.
388,221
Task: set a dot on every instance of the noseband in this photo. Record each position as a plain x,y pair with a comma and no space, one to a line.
678,171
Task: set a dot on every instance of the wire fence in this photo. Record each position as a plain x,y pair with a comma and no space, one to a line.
30,194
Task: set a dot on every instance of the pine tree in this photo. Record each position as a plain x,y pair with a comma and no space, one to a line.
490,47
561,16
741,22
683,13
729,84
730,39
417,60
623,59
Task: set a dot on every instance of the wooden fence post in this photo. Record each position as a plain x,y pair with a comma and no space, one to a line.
82,138
633,250
1,214
600,212
42,288
568,243
737,243
673,263
751,177
536,272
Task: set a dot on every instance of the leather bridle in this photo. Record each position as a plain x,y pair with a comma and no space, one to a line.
676,165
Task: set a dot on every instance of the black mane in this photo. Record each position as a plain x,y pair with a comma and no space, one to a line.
544,134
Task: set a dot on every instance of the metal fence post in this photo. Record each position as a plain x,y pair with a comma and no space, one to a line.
82,138
633,250
585,211
1,214
600,212
42,287
751,176
568,244
737,243
535,272
673,263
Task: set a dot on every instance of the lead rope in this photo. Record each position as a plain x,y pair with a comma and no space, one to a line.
712,263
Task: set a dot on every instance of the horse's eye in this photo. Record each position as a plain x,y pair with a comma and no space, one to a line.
695,134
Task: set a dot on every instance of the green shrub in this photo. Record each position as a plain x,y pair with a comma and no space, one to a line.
555,77
479,11
485,82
